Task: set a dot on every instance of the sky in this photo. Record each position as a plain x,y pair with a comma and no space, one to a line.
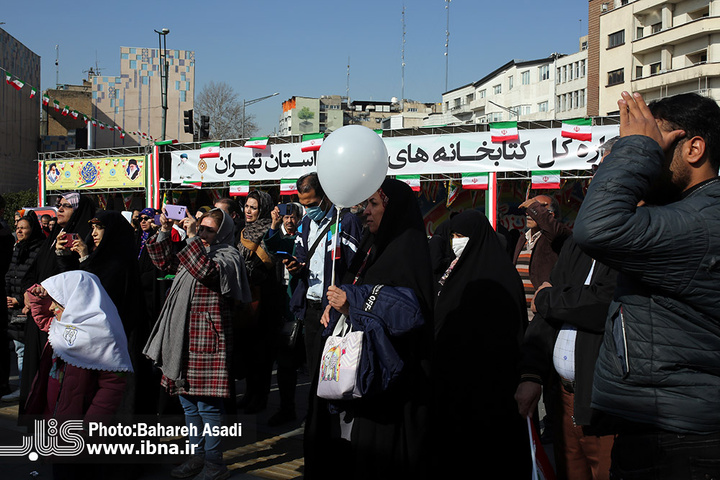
302,48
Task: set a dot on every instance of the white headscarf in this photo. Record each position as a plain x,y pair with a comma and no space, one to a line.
90,334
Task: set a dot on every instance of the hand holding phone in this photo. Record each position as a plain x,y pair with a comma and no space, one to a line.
175,212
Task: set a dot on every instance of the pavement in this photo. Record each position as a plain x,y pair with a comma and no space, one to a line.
261,452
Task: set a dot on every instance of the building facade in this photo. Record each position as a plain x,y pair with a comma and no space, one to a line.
60,128
659,48
20,113
132,100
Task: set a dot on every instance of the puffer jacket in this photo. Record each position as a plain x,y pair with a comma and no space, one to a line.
659,363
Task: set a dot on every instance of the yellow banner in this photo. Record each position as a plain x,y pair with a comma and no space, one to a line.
106,172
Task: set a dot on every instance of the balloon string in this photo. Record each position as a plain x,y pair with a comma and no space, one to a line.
334,242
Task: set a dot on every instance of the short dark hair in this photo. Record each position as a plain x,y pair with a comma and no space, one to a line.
698,116
310,181
45,216
232,205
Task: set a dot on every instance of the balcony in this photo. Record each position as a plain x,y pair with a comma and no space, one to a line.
681,75
677,35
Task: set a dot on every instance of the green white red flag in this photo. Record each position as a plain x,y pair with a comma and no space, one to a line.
56,105
453,192
288,186
475,181
312,142
412,180
65,111
239,188
257,142
32,92
546,179
45,99
192,183
577,128
210,150
503,131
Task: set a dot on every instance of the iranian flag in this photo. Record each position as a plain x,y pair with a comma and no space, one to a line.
257,142
578,128
475,181
210,150
546,179
164,142
45,99
122,134
412,180
288,186
192,183
75,114
453,191
32,92
8,77
65,110
239,188
312,142
56,105
17,84
503,131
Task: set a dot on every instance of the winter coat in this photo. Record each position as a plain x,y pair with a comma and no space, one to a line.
659,362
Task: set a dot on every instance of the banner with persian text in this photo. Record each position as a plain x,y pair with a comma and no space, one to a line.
106,172
535,150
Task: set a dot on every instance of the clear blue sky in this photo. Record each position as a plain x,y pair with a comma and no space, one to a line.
302,47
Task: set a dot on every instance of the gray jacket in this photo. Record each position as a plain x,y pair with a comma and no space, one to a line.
660,360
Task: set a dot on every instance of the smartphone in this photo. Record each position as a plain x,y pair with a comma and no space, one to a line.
70,238
284,255
157,219
175,212
284,208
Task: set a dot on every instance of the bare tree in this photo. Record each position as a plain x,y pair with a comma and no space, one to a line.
220,102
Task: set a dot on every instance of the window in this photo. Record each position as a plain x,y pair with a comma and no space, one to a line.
581,98
616,39
481,93
543,106
654,68
577,69
496,117
525,109
497,89
656,27
470,97
638,71
616,77
570,72
558,76
525,77
582,68
639,32
544,72
510,82
457,103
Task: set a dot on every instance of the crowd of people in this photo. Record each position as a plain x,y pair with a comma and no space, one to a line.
613,323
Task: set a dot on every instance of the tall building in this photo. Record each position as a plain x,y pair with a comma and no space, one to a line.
62,129
656,47
20,113
133,100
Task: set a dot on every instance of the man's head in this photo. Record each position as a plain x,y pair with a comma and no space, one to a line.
546,201
291,221
311,194
693,158
45,221
230,206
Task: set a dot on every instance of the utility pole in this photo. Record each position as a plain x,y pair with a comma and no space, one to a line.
162,38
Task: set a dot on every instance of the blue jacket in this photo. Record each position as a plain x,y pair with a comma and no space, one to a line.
659,364
350,233
383,313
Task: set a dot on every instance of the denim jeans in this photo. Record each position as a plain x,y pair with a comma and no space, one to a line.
19,352
665,455
201,411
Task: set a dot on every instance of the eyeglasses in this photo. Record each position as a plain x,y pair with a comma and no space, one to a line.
145,219
63,205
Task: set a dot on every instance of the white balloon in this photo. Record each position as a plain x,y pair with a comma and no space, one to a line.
351,164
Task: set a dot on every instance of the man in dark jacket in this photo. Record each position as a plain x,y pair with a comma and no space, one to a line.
657,377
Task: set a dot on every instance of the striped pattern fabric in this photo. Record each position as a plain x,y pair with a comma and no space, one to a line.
209,329
523,267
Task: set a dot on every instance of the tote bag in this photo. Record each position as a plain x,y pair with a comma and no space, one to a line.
340,362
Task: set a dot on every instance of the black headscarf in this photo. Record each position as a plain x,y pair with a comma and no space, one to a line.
34,240
398,253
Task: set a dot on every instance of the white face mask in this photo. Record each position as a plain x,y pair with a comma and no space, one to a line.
458,245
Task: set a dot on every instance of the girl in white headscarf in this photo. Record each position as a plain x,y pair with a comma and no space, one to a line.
84,363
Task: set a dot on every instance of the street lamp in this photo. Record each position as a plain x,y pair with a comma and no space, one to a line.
162,47
250,102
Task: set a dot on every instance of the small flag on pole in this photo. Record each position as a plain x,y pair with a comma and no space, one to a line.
412,180
475,181
288,186
546,179
239,188
311,142
453,191
210,150
192,183
257,142
45,99
32,92
578,128
503,132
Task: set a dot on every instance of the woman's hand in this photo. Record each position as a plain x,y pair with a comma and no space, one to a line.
189,223
38,291
276,219
12,303
61,241
338,299
165,223
80,247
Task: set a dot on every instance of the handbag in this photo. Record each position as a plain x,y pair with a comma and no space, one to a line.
340,362
290,332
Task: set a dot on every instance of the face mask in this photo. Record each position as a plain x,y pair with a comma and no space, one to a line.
315,213
458,245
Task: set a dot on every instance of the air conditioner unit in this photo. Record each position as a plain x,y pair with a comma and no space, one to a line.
604,7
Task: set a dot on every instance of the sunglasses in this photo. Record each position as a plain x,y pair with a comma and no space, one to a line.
145,219
63,205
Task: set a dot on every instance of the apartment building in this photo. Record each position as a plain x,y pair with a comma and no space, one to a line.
656,47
